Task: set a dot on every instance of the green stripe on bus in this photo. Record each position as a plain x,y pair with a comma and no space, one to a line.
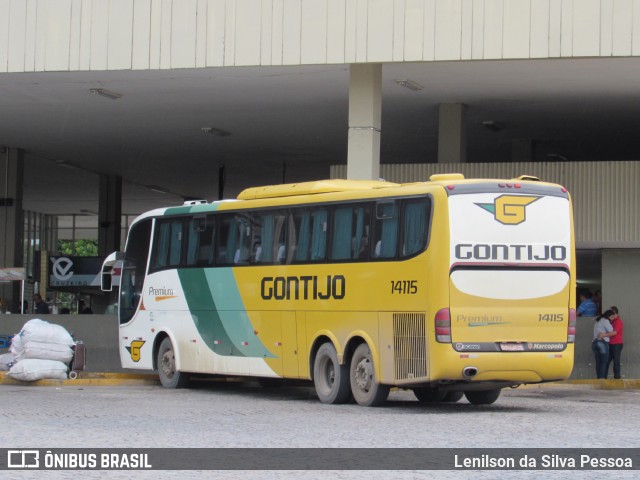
224,325
191,209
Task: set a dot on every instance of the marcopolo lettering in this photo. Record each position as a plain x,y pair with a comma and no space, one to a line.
307,287
480,251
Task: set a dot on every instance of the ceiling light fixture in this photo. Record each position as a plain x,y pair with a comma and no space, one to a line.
410,84
69,165
105,93
557,157
157,189
215,131
493,126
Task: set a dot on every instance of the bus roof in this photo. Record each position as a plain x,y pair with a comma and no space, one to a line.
307,188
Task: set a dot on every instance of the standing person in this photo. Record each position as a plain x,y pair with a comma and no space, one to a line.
615,343
602,332
587,307
39,305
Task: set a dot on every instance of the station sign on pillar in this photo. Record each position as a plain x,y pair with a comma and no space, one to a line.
365,118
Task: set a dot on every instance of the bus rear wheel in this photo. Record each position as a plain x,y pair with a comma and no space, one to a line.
482,397
329,377
366,390
166,361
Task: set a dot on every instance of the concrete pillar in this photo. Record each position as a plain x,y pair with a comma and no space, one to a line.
522,150
452,133
365,114
109,214
11,220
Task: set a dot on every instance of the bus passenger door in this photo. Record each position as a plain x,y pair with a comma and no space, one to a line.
289,345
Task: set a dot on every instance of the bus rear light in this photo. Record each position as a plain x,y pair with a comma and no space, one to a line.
443,326
571,329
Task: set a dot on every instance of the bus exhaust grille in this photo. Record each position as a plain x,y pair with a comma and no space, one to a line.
409,343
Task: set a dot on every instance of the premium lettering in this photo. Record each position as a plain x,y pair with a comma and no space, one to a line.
531,253
160,291
307,287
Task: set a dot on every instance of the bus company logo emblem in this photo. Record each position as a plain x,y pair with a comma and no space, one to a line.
509,209
134,349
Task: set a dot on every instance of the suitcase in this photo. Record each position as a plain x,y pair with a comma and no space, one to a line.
79,360
5,341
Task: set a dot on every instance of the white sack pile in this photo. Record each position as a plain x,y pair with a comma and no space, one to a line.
41,350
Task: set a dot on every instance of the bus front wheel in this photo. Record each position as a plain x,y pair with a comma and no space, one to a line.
482,397
366,390
329,377
169,376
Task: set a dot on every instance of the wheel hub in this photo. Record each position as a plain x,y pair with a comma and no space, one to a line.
331,375
167,364
364,374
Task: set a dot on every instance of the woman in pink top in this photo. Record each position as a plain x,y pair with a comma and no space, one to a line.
615,343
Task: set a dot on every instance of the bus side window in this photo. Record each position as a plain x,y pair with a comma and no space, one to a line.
266,239
243,242
360,244
200,241
348,234
299,235
280,238
341,237
269,243
415,225
319,235
169,238
226,241
385,230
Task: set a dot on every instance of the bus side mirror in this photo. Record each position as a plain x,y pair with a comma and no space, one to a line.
111,267
106,285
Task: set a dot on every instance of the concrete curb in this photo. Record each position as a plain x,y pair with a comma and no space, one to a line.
117,379
88,379
621,384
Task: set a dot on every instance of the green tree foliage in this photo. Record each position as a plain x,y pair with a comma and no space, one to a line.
83,248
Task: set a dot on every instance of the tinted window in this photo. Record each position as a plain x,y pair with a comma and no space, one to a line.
415,225
168,243
350,233
386,229
200,245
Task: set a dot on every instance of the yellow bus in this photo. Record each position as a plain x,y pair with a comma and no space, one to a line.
448,287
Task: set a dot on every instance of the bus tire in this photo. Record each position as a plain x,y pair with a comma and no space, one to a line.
366,390
429,395
452,397
482,397
329,377
166,361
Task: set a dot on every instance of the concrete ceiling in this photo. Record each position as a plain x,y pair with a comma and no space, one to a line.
290,123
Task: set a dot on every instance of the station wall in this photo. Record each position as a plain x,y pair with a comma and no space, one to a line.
70,35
